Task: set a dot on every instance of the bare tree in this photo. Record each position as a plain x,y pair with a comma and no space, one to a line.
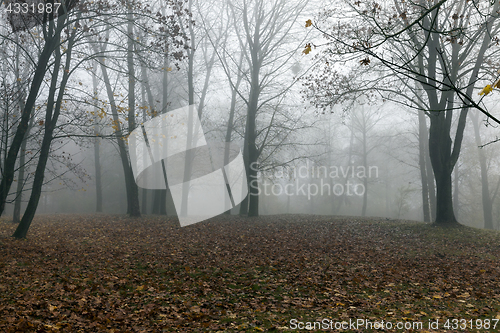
263,34
487,197
414,42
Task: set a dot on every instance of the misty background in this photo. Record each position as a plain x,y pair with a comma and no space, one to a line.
359,156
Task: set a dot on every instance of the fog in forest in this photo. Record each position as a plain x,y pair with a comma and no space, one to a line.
325,128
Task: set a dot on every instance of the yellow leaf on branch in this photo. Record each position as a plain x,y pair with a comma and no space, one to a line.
486,90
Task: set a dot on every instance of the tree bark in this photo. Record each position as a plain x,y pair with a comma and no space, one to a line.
16,218
22,158
230,124
431,187
51,117
485,191
440,152
251,133
97,148
133,208
422,137
51,43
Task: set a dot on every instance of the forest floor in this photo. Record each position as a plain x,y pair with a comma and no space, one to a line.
102,273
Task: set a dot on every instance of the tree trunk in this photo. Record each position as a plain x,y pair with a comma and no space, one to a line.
251,136
133,208
422,137
163,194
443,154
230,121
456,191
431,186
485,191
244,203
144,199
97,148
20,182
24,224
229,129
51,117
133,194
442,164
51,43
20,178
22,158
253,196
98,179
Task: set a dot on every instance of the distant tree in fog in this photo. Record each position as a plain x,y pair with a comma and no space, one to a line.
439,46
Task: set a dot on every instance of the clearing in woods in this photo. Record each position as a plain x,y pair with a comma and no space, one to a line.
103,273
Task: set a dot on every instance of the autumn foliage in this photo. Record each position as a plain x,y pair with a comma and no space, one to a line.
100,273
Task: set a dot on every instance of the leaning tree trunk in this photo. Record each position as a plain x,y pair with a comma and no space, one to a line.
51,43
133,208
51,117
20,177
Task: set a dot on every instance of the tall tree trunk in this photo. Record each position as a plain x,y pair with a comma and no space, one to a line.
22,158
51,117
20,177
51,43
230,126
253,196
456,191
443,153
251,136
431,187
245,201
97,147
144,203
149,104
163,195
230,121
16,217
422,138
440,149
132,207
485,191
189,155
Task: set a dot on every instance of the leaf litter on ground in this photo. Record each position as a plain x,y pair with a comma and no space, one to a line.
110,273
